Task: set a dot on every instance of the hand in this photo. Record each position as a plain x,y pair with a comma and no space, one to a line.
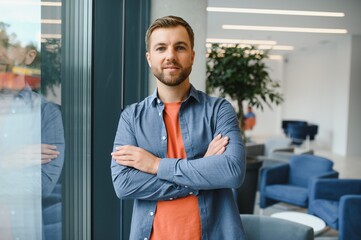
48,152
217,146
137,158
29,155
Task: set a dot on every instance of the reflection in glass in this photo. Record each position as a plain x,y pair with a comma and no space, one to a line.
31,130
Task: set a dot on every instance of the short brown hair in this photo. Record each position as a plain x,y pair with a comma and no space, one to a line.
167,22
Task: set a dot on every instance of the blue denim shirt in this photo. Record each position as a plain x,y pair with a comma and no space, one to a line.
27,120
209,178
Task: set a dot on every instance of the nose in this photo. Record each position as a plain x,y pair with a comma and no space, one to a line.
171,55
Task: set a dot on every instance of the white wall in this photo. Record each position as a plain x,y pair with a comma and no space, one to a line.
316,90
354,124
268,121
194,12
341,97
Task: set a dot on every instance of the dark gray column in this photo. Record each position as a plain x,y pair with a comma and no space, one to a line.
76,108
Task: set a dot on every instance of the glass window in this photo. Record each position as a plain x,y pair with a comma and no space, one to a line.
31,129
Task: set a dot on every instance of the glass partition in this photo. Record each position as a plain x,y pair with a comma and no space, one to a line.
31,130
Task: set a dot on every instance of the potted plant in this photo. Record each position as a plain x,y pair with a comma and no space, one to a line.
242,74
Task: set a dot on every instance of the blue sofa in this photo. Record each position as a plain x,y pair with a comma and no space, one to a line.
289,182
338,203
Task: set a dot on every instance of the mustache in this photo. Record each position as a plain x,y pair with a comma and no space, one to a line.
172,64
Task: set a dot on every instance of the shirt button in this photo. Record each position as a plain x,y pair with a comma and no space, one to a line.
160,113
158,101
171,199
145,238
151,213
186,186
190,193
164,138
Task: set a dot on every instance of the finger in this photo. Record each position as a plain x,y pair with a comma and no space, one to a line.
219,136
48,156
122,158
125,163
118,153
44,161
221,151
49,149
49,152
219,144
125,150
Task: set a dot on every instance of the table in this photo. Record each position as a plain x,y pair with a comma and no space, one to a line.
306,219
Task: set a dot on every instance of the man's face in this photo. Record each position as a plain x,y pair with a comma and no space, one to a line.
11,83
170,55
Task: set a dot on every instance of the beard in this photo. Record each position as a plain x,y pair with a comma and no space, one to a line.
172,80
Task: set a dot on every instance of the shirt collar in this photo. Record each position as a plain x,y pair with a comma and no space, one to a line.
26,93
193,93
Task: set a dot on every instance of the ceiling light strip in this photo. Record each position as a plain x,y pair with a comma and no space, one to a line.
276,12
240,41
49,4
51,21
285,29
56,36
261,47
275,57
276,47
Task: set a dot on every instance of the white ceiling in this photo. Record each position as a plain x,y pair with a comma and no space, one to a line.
300,41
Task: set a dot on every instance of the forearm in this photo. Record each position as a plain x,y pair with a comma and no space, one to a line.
50,172
130,183
52,133
203,174
219,171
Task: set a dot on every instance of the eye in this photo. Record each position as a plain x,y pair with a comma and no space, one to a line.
180,48
160,49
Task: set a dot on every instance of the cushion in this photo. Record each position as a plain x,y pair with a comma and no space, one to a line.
288,193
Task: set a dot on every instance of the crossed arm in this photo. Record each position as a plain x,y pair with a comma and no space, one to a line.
137,173
144,161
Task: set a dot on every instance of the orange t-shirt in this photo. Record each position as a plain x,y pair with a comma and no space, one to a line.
177,219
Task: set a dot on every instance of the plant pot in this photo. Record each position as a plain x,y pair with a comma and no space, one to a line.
246,194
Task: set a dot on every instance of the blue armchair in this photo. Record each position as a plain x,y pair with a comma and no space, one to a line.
286,123
338,203
289,182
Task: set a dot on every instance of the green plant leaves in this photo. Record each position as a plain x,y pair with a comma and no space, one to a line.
241,74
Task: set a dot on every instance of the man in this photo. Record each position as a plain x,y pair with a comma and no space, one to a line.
32,150
164,156
249,119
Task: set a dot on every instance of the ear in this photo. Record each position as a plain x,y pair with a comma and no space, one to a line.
193,55
148,59
30,56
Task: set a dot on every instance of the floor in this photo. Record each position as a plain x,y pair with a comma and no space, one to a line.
347,166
